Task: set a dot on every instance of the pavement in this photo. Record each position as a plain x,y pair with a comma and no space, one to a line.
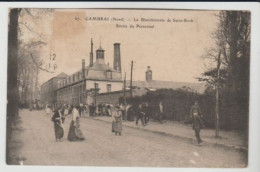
229,139
135,148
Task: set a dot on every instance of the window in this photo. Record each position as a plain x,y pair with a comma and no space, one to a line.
108,87
109,75
95,85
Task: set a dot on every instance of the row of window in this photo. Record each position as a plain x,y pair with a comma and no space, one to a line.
73,78
78,89
77,77
108,87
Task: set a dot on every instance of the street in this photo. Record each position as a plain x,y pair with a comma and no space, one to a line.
135,148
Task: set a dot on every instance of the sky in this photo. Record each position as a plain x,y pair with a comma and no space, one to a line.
174,50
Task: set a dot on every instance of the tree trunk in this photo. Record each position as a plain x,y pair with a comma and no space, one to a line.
12,89
234,35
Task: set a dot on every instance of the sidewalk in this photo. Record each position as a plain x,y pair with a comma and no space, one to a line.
228,139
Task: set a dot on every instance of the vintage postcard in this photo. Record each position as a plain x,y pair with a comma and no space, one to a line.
128,87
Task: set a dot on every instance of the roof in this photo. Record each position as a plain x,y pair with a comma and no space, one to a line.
100,66
100,49
61,76
98,72
156,84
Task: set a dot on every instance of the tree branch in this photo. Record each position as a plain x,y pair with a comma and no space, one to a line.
38,66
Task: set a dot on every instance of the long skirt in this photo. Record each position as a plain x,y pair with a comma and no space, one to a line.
58,131
117,126
75,133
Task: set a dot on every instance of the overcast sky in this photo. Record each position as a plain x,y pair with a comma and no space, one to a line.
172,49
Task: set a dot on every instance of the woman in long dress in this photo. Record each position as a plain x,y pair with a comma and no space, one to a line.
117,121
48,110
74,132
57,120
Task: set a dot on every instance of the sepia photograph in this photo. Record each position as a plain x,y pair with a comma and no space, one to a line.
128,87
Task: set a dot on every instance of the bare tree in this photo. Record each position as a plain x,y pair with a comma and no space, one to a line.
232,51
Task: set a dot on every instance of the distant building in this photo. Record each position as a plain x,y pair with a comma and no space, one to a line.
48,89
84,85
153,85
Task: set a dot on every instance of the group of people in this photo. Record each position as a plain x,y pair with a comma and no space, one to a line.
58,119
121,112
144,113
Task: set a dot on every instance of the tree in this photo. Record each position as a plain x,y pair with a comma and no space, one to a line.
19,72
232,49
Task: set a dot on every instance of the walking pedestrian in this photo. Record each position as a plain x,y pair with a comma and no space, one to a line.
75,133
140,115
195,114
117,121
57,120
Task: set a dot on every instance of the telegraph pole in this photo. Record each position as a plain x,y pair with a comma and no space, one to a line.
131,79
124,96
124,88
95,94
217,95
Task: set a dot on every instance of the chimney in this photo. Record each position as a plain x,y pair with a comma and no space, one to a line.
91,54
117,57
83,68
148,74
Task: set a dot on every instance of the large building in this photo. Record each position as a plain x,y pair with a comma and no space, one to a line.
96,78
153,85
48,89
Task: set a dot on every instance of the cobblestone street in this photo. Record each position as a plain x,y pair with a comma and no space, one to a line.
135,148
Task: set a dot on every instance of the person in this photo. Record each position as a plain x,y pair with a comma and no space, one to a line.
87,110
122,108
84,112
48,110
140,115
34,106
104,111
130,112
117,121
75,133
57,120
195,114
66,110
109,109
160,112
70,108
80,109
91,109
147,113
63,113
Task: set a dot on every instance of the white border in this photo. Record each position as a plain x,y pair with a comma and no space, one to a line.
254,117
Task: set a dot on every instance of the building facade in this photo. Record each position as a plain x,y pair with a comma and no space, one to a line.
48,89
84,85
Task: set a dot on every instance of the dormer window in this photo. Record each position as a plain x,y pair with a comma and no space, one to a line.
109,74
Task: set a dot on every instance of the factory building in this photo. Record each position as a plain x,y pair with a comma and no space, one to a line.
98,77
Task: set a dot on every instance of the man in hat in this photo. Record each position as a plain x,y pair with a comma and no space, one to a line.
195,114
140,114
